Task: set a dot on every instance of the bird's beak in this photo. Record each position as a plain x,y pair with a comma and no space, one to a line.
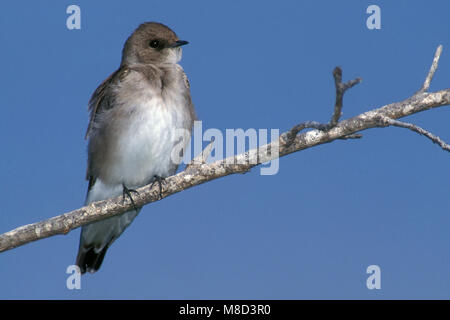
178,43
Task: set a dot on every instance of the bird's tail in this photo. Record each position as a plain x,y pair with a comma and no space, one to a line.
90,260
97,237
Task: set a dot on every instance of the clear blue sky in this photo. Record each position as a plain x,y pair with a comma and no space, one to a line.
308,232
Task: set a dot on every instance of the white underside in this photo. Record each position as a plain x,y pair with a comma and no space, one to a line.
144,150
106,231
146,144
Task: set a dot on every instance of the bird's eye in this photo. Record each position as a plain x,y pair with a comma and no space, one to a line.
154,43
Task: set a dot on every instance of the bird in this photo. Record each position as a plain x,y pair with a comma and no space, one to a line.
137,117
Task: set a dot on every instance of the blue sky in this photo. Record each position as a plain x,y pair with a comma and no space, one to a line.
309,231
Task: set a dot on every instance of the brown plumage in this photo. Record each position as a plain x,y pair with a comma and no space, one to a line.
136,115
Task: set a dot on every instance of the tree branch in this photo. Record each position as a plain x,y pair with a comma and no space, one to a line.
385,121
199,172
201,158
340,90
433,68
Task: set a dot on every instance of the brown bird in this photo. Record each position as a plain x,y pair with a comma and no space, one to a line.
138,115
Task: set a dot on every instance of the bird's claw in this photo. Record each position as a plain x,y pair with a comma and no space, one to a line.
127,192
158,179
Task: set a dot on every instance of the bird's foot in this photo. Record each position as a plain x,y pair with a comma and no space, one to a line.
158,179
127,192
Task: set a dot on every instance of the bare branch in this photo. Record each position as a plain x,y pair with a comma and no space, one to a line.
433,69
291,134
385,121
340,90
289,142
352,136
202,157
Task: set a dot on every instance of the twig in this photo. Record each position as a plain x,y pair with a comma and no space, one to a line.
202,157
385,121
291,134
433,69
340,90
352,136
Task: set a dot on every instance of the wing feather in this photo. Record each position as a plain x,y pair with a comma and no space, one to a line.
103,97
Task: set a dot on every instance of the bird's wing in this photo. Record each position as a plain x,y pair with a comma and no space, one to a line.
188,97
95,238
186,80
103,97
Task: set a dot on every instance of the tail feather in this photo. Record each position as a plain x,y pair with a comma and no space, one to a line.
90,260
97,237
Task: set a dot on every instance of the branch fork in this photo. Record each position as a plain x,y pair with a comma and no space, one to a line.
341,88
384,121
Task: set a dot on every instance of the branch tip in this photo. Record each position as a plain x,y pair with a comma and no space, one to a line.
386,121
433,68
203,156
340,90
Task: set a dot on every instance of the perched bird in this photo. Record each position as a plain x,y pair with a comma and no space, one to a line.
135,119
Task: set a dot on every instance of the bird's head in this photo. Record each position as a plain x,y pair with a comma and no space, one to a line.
152,43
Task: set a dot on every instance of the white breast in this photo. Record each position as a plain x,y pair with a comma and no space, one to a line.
150,126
